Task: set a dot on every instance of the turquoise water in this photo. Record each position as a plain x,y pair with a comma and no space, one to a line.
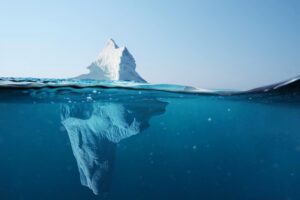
123,141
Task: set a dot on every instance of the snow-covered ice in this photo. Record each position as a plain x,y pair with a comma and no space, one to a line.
113,63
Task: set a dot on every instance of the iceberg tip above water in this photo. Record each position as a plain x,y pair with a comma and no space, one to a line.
113,63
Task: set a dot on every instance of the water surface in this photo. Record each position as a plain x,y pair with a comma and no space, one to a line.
88,140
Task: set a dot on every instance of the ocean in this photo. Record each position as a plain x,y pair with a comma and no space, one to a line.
89,140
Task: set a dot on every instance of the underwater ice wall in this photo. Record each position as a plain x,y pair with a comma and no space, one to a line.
94,130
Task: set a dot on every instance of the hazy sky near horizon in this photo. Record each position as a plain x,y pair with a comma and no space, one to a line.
230,44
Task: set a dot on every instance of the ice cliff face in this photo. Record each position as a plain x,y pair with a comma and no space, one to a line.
113,63
94,129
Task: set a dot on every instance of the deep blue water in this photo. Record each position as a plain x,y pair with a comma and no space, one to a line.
120,143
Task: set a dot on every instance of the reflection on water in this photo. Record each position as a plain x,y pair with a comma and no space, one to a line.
94,130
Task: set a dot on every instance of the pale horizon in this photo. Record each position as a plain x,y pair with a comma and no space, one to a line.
214,45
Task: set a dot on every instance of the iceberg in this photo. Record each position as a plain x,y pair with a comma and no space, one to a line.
94,129
113,63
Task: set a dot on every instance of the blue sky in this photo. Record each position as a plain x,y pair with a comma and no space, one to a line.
231,44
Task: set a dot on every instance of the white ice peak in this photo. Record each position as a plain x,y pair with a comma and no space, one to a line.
112,43
113,63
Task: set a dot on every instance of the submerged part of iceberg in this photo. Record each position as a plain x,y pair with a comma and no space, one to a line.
113,63
93,133
94,130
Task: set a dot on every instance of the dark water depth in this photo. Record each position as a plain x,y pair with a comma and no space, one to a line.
113,143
